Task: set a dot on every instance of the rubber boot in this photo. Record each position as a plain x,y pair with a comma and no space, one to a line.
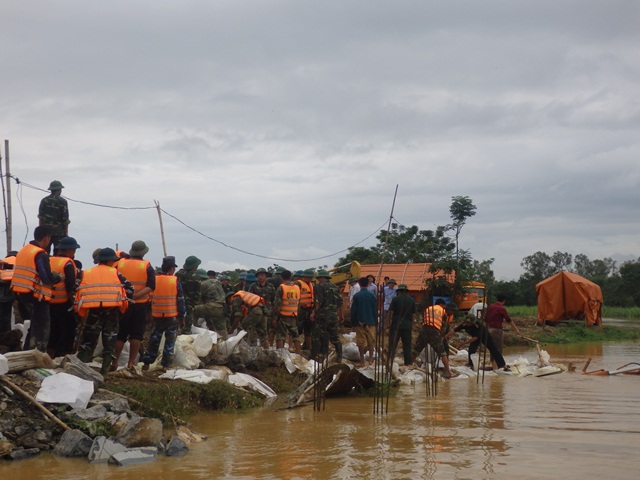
106,364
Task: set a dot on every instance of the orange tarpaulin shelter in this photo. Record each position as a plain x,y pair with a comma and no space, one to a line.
567,295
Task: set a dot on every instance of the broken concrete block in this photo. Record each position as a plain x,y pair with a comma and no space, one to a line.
23,453
73,443
103,448
142,432
74,366
133,456
87,414
176,448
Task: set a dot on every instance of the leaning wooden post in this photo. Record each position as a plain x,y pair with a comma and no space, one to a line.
33,401
164,246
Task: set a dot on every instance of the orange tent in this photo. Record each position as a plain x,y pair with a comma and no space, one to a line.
567,295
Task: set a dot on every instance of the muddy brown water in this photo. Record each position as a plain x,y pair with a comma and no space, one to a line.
566,426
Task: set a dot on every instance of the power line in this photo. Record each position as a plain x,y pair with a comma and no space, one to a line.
266,257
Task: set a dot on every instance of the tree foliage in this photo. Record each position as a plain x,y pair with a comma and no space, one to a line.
404,245
461,208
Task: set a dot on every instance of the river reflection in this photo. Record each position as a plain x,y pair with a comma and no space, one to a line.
566,426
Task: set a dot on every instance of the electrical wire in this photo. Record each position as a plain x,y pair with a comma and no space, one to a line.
20,184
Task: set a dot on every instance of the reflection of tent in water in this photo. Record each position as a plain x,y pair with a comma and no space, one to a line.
567,295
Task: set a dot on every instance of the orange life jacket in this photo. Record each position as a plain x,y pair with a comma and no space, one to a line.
434,316
59,290
290,300
6,274
307,299
100,287
135,271
25,277
250,299
164,301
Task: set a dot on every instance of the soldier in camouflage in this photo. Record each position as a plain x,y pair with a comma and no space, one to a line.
328,317
190,282
267,291
54,213
212,305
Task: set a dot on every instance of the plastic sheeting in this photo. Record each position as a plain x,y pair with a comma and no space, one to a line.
65,388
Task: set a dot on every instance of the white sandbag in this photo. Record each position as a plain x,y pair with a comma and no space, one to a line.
184,356
285,355
227,347
350,352
4,365
242,380
202,376
350,337
24,328
65,388
203,343
412,377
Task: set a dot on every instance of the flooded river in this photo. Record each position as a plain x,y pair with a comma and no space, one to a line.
565,426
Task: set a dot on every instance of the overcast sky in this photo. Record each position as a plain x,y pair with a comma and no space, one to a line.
282,127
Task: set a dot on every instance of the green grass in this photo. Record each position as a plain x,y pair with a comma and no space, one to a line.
581,334
180,399
631,313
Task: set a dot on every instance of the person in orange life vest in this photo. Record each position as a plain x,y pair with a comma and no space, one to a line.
435,318
101,298
285,312
307,306
7,297
133,323
32,280
168,309
63,318
249,311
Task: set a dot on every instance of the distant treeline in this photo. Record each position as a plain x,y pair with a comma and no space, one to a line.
620,284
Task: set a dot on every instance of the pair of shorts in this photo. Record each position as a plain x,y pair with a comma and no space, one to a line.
133,322
287,327
366,336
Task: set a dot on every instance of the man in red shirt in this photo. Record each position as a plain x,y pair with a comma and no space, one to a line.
496,314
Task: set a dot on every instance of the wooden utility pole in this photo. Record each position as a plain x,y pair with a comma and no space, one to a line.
7,197
164,247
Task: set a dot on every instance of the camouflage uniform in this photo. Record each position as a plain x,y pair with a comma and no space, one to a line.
54,213
284,326
268,292
211,309
169,327
328,300
97,321
190,282
255,321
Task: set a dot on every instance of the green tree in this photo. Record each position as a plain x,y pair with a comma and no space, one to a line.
404,245
461,209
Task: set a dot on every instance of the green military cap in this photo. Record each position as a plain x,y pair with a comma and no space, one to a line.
323,273
251,278
402,286
353,280
202,273
138,249
392,280
242,276
106,254
261,270
308,273
55,185
278,270
191,262
67,243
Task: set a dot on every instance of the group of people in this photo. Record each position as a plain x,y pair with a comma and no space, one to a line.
70,308
483,326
